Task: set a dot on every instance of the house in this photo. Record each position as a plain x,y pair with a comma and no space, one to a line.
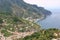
54,39
57,34
30,19
2,37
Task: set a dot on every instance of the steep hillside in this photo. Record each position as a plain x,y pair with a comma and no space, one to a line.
22,9
48,34
17,19
10,24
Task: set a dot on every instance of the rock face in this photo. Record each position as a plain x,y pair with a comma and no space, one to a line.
22,9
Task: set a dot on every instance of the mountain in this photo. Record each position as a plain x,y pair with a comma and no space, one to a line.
21,9
11,25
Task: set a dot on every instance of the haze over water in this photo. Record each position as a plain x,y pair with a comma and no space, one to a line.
52,21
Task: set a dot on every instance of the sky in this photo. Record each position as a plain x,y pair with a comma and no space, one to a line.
48,4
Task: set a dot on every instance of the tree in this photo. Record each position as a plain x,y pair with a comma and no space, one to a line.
1,21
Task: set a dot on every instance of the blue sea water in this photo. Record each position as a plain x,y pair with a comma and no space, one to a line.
52,21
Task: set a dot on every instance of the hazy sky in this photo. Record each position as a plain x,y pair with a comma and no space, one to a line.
51,4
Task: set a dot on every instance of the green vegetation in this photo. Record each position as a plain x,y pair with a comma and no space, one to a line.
1,21
11,23
18,24
12,20
47,34
22,9
13,14
6,33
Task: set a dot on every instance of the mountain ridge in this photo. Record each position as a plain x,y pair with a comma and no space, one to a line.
22,9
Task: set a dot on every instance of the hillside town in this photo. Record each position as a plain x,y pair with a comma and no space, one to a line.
16,35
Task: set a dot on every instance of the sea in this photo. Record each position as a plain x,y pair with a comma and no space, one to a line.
52,21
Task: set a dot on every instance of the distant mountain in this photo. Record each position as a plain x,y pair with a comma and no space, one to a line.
22,9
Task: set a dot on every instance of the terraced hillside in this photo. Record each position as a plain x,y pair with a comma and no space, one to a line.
12,25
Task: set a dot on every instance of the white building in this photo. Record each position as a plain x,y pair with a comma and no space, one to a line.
2,37
54,39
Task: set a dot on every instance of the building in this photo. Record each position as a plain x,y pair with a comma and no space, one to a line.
2,37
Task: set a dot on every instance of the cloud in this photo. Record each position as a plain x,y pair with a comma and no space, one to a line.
45,3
